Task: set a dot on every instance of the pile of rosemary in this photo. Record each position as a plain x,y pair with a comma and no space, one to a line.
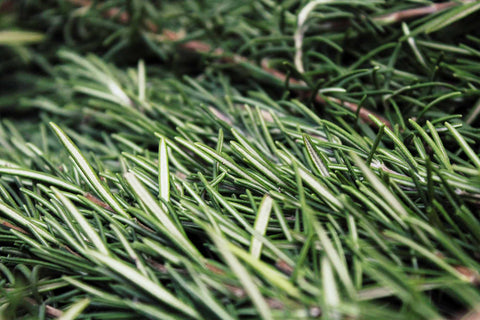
257,159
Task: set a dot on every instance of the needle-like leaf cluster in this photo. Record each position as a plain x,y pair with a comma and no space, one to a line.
239,159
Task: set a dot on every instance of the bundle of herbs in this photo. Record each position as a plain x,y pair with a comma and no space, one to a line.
255,159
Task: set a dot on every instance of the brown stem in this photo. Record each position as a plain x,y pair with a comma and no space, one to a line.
283,266
49,310
403,15
14,227
471,315
396,17
98,202
364,114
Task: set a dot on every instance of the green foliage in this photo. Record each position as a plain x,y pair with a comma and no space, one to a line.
144,176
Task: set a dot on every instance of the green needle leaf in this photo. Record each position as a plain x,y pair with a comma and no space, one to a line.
261,223
154,208
399,210
153,288
82,222
75,310
40,176
163,171
14,37
464,145
242,274
88,171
